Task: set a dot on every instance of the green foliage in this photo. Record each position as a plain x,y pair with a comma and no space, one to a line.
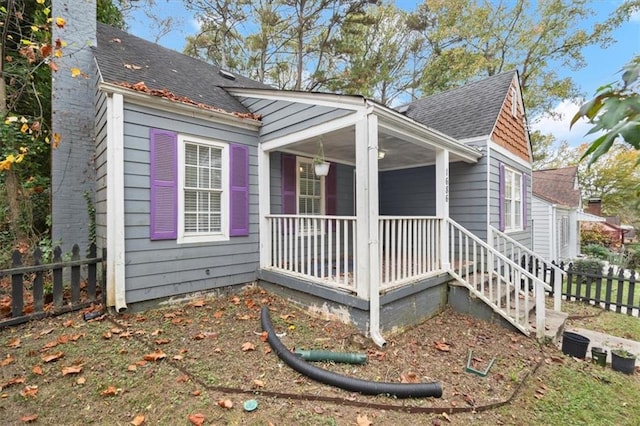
632,256
596,250
588,265
594,235
615,111
91,210
108,13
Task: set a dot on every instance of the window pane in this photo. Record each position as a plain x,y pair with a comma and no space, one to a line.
190,201
191,177
191,154
216,202
216,158
507,215
203,178
216,179
203,156
190,222
518,215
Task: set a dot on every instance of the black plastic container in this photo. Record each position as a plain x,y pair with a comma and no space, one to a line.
575,344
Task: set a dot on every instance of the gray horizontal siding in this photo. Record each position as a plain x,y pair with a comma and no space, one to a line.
525,236
100,160
158,269
408,192
468,194
280,118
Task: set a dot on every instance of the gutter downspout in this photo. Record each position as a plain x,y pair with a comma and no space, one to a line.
115,204
373,223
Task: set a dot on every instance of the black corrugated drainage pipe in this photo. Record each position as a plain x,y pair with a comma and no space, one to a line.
399,390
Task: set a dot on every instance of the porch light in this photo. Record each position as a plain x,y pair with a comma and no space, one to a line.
381,154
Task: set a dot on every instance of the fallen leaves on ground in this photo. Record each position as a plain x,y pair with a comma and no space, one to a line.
8,360
196,419
442,346
138,420
29,418
110,391
225,403
14,343
52,357
155,356
362,420
409,377
73,369
248,346
30,391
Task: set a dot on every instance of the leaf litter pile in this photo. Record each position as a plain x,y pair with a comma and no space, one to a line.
199,362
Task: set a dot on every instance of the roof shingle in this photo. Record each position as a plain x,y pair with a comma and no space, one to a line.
124,58
465,112
557,186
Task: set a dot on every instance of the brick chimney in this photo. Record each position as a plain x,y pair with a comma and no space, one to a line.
594,206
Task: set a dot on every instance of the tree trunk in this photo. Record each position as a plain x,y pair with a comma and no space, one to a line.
14,190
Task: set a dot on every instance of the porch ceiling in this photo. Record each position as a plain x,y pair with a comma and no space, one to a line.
339,146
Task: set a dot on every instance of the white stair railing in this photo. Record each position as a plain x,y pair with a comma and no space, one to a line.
516,251
496,279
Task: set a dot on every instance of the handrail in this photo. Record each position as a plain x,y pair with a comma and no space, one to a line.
558,272
538,283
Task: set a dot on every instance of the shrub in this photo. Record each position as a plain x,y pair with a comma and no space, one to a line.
597,251
588,264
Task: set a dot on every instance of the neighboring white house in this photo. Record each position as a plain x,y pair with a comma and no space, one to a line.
556,211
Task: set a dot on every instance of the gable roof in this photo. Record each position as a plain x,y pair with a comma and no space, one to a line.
557,186
124,58
465,112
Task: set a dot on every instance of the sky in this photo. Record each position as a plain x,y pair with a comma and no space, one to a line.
603,65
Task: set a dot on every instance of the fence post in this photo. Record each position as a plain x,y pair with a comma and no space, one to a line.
91,274
556,280
57,278
631,294
608,289
75,275
38,287
17,294
569,281
620,290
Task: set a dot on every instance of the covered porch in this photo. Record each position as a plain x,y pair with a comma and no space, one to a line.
366,249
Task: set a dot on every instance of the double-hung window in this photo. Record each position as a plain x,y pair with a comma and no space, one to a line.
310,189
203,196
512,200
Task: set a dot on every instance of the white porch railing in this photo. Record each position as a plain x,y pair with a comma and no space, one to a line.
496,279
534,263
323,248
409,248
318,248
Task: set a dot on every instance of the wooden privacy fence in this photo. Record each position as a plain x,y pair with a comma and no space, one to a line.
47,289
613,291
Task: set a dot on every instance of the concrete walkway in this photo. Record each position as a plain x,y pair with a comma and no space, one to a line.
608,342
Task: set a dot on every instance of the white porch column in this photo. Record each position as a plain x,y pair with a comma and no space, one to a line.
362,209
442,204
264,206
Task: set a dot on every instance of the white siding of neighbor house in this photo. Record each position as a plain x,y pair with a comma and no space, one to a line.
543,236
157,269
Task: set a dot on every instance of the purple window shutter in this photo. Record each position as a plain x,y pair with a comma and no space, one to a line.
524,200
330,191
289,177
164,184
239,190
501,196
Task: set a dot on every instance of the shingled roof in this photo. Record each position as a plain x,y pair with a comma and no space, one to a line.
465,112
557,186
125,59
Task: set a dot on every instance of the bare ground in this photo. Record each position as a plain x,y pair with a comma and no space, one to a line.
208,356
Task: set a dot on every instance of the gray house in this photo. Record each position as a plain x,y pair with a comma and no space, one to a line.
204,180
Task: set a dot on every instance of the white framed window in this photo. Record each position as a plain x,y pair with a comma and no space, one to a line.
512,200
309,188
564,231
203,196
